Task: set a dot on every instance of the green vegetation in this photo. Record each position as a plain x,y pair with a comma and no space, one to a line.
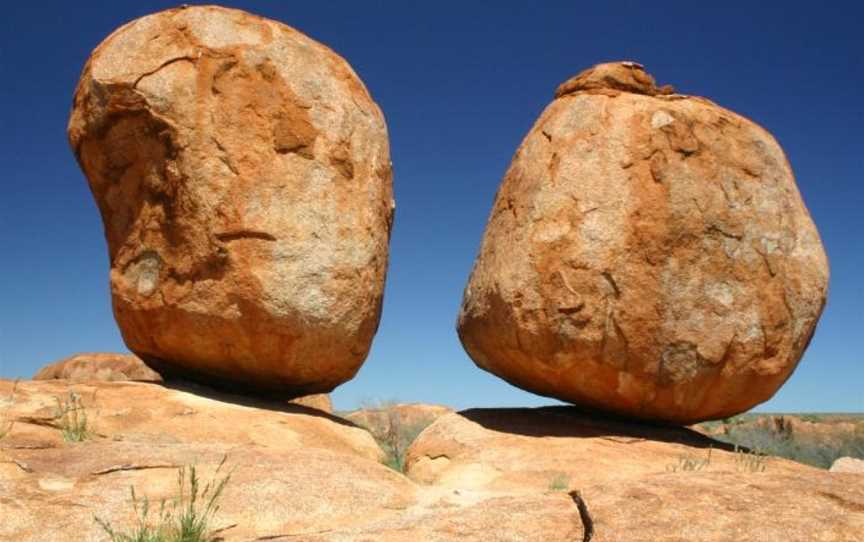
776,436
187,518
690,462
72,418
560,482
393,433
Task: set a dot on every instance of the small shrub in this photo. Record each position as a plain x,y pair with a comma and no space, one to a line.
72,418
187,518
690,462
393,433
560,482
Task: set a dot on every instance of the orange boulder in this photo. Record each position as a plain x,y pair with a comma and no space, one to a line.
648,254
243,175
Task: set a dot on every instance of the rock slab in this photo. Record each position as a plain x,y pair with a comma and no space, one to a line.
243,175
648,254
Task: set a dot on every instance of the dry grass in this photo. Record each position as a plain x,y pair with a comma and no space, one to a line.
5,423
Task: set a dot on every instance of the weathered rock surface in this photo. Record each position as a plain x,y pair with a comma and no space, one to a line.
848,464
648,254
115,367
302,475
243,175
632,480
524,449
99,366
294,468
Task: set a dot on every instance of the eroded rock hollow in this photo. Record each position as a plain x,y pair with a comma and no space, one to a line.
243,175
648,254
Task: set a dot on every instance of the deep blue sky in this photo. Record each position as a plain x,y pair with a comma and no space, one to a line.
460,83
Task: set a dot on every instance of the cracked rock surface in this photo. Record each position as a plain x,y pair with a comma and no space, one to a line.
647,254
243,175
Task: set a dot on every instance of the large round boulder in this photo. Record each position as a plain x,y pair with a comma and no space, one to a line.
648,254
244,179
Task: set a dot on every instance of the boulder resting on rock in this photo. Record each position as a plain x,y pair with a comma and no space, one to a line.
648,254
243,175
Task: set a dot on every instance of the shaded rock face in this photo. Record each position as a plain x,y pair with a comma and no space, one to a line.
243,176
99,366
648,254
114,367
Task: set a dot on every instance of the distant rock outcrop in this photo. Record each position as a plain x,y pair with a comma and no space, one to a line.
243,175
648,254
99,366
114,367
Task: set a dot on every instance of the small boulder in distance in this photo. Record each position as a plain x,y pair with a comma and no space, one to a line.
99,366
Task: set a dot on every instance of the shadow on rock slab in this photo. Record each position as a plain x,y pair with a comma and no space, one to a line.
573,422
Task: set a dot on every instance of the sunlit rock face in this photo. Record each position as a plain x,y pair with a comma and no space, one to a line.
243,175
648,254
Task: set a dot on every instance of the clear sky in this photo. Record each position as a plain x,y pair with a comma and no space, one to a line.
460,84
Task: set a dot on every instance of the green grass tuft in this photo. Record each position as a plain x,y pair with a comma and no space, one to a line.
187,518
560,482
72,418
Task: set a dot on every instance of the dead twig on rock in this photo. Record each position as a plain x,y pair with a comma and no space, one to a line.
584,516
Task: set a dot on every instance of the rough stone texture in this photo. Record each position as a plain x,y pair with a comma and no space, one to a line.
115,367
243,175
848,464
521,449
99,366
301,475
622,470
295,469
648,254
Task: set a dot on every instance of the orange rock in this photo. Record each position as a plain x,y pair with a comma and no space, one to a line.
319,401
302,475
243,175
525,449
99,366
292,469
648,254
632,478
